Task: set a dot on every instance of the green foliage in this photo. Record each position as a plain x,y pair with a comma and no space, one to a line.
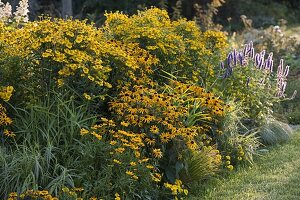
237,141
42,154
274,132
200,165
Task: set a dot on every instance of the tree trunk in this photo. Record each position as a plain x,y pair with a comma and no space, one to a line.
67,9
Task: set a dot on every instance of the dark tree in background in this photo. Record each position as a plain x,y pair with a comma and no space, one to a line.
263,12
67,8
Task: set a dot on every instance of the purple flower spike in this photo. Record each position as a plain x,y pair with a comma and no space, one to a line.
240,57
280,68
286,71
252,53
257,61
234,57
283,86
271,66
229,59
245,50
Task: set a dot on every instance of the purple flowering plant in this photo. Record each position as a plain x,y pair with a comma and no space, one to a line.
252,78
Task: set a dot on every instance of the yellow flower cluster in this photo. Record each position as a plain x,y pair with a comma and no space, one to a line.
74,51
180,46
5,95
45,195
176,188
229,166
40,194
146,120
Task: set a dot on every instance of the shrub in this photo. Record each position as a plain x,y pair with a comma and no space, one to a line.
47,54
249,78
162,126
181,48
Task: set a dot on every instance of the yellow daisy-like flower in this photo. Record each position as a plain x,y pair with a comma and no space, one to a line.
98,136
120,150
154,129
60,82
156,177
150,141
8,133
117,161
130,173
150,166
165,137
83,131
85,70
124,124
157,153
192,144
43,192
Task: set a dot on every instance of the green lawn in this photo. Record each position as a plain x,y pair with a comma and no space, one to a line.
274,176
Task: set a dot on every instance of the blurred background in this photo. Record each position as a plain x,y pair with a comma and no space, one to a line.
225,12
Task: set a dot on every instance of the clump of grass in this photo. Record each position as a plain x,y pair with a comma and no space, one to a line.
274,132
44,154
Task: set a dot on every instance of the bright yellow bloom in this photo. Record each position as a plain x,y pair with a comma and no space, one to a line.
130,173
117,196
83,131
86,96
157,153
154,129
117,161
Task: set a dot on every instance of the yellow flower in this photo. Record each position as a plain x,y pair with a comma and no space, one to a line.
156,177
60,82
117,196
120,150
117,161
154,129
83,131
13,194
78,189
8,133
150,166
98,136
43,192
130,173
124,124
192,144
150,141
157,153
230,167
165,137
86,96
79,39
85,70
